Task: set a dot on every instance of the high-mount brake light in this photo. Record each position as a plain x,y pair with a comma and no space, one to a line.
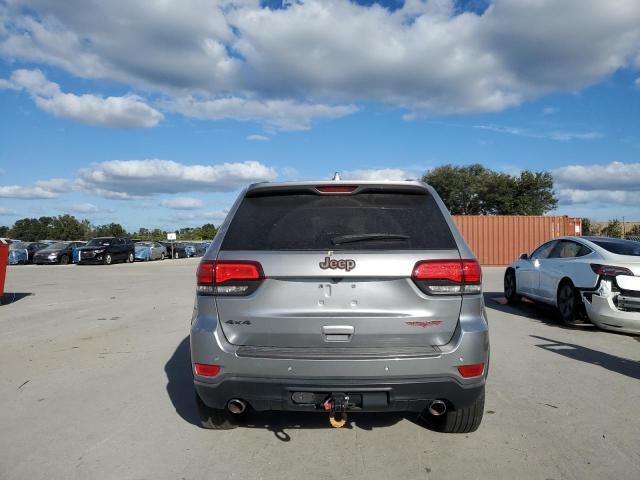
336,188
228,277
448,277
610,270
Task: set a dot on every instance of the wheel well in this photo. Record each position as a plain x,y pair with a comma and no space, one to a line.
565,280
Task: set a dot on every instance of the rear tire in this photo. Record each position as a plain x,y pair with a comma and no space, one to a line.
462,420
569,303
162,256
214,418
510,291
64,260
130,258
107,259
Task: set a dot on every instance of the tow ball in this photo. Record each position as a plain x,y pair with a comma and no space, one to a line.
337,405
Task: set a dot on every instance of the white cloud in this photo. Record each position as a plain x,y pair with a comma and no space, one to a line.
562,136
129,111
550,110
197,218
621,197
275,114
134,178
637,82
6,212
615,183
257,138
39,190
84,208
381,174
612,176
182,203
425,56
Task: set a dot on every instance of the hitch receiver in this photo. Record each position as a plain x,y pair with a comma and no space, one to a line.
337,405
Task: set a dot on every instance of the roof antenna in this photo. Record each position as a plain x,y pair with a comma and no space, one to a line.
336,176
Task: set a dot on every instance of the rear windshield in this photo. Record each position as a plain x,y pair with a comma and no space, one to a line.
620,247
367,221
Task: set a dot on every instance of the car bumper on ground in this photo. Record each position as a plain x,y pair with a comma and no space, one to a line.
383,383
602,311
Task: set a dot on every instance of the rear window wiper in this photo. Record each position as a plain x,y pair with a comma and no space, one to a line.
363,237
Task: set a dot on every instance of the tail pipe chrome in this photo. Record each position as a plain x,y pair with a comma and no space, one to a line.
437,408
236,406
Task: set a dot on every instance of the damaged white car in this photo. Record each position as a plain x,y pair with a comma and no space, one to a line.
594,276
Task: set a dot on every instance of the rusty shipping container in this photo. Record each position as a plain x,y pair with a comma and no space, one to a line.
500,239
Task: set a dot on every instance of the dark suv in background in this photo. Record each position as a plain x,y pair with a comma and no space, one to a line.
107,250
337,297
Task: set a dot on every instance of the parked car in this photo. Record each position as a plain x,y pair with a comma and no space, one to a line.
21,253
150,251
175,249
107,250
201,248
331,297
17,256
59,252
596,276
189,249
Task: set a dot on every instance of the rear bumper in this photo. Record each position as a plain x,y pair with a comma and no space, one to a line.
603,313
401,395
268,382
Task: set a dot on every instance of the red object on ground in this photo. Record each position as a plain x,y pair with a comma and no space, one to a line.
4,258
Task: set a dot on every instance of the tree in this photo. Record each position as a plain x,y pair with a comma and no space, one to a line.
612,229
477,190
208,231
534,193
109,230
32,229
4,231
68,227
635,230
586,227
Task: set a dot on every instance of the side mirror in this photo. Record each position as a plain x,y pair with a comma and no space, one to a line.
524,256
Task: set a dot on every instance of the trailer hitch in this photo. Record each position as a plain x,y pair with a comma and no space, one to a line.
337,405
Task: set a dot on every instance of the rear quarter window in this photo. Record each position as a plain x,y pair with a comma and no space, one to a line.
301,221
621,247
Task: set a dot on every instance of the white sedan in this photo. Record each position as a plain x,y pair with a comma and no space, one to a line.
599,276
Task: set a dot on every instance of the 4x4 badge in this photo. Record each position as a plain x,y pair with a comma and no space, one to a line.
346,264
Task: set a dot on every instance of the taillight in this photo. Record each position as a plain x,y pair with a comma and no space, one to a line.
336,188
468,371
227,277
205,370
610,270
448,277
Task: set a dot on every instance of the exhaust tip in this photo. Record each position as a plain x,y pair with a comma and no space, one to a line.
437,408
236,406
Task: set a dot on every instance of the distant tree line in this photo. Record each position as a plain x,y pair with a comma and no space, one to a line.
613,228
68,227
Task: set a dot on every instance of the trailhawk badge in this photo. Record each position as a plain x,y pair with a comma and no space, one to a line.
333,264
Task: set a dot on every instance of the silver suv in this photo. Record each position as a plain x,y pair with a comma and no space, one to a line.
340,297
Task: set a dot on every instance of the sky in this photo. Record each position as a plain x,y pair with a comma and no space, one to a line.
156,113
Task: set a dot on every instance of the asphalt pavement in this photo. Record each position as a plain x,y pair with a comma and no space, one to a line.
95,383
